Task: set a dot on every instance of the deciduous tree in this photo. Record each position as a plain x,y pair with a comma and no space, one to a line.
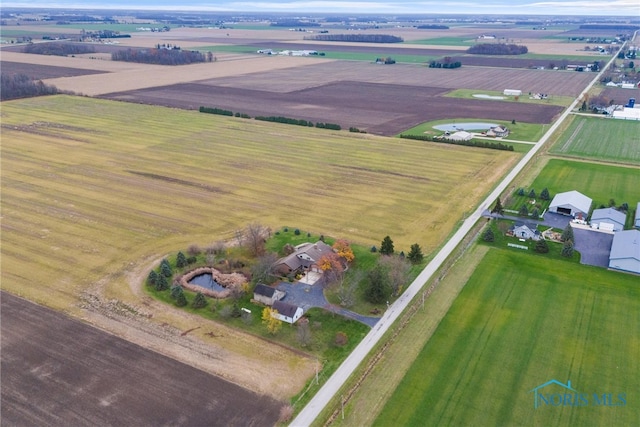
378,288
343,249
397,271
270,320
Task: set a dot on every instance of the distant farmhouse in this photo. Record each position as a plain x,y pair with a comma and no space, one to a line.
498,132
625,251
572,203
287,312
608,219
304,258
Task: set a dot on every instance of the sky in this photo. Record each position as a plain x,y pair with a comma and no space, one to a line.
629,8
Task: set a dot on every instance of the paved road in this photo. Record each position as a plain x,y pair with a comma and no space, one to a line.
333,384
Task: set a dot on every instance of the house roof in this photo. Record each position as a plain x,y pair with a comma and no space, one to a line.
284,308
315,251
610,214
264,290
460,136
638,211
626,244
573,198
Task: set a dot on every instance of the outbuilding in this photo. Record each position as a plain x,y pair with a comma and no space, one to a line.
460,136
512,92
267,295
636,221
600,217
625,251
571,203
287,312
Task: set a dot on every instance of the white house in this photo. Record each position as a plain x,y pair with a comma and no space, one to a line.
267,295
571,203
625,251
611,216
287,312
524,230
636,221
498,131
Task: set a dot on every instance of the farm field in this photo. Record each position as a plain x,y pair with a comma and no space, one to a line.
516,325
600,138
599,182
144,181
70,373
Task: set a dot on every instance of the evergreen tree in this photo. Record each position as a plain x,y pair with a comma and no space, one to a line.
181,260
415,254
488,235
386,247
544,194
567,233
532,194
535,213
524,211
542,246
567,249
152,278
378,288
497,208
199,301
181,301
162,283
176,290
165,268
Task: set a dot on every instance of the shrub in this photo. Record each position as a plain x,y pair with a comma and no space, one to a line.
488,235
181,301
341,339
286,413
194,250
296,232
542,246
199,301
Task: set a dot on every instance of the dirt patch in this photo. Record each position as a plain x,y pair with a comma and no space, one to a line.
40,72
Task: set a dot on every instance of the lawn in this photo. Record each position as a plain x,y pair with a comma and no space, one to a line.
517,324
520,131
563,101
144,181
598,181
600,138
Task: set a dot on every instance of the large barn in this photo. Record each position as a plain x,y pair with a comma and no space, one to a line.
636,221
572,203
625,251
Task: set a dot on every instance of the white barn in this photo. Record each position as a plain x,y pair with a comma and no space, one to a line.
571,203
512,92
625,251
608,216
636,221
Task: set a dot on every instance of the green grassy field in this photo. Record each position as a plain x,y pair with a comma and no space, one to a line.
563,101
600,138
517,324
93,188
600,182
520,131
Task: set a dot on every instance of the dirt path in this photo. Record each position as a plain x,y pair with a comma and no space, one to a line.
212,347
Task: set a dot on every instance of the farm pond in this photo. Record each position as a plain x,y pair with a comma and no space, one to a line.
206,281
452,127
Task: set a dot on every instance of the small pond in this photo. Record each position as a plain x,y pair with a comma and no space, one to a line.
206,281
452,127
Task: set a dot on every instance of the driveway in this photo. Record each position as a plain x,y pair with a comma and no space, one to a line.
594,246
308,296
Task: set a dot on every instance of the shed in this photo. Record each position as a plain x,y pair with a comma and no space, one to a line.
608,216
625,251
267,295
460,136
571,203
636,221
289,313
523,230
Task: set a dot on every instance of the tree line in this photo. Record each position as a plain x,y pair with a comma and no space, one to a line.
161,56
22,86
498,49
360,38
470,143
277,119
58,49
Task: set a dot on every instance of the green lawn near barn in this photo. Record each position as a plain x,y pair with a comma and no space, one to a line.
600,182
519,323
600,138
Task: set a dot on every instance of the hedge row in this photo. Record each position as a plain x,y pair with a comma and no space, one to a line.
277,119
471,143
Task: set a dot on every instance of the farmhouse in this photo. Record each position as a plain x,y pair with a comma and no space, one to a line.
523,230
608,218
625,251
512,92
570,203
636,221
267,295
287,312
498,131
305,257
